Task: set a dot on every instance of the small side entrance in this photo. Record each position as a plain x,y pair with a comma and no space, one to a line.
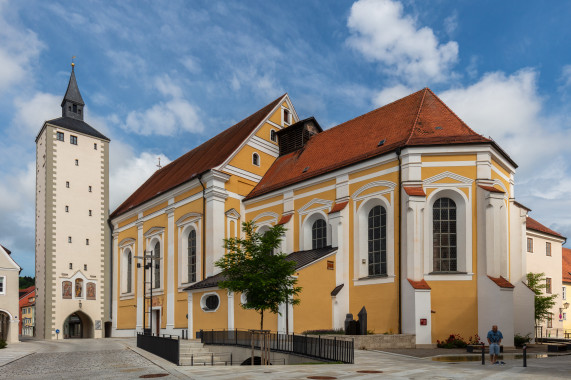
156,321
4,325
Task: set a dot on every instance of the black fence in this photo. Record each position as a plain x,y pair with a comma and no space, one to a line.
166,346
331,349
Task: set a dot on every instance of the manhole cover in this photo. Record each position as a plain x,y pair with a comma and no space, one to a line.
321,377
153,375
369,371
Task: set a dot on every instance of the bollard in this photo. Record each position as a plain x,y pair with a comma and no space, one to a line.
483,355
525,355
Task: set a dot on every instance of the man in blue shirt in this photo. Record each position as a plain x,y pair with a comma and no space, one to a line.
494,339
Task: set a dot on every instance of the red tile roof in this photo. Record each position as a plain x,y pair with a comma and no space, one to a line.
415,191
532,224
338,207
567,265
422,284
284,219
199,160
419,119
492,189
501,282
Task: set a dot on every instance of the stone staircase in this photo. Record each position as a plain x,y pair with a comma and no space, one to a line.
193,352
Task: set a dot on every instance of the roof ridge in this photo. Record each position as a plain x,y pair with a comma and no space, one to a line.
417,116
453,113
370,112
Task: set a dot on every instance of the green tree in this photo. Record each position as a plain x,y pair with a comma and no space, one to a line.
252,267
543,303
26,281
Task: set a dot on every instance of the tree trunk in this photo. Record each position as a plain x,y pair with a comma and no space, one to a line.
261,319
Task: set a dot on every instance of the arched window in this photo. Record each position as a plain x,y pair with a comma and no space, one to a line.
256,159
318,234
377,241
157,266
129,271
192,256
444,242
273,136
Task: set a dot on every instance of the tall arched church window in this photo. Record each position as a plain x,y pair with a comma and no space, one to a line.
157,266
445,252
192,256
318,234
377,241
129,271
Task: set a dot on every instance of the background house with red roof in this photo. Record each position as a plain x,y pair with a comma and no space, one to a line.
544,254
9,278
27,311
566,279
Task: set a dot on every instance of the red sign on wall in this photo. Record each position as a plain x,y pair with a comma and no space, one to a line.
423,322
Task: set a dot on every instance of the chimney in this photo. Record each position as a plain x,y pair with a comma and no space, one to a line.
297,135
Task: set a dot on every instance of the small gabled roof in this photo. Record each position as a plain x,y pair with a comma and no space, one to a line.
420,119
199,160
301,259
532,224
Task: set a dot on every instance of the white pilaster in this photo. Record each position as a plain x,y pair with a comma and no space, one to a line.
414,236
116,279
191,333
171,285
140,274
215,195
230,310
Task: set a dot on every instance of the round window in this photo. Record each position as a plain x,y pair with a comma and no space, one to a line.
211,302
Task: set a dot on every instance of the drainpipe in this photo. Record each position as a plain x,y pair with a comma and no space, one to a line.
203,227
398,151
111,282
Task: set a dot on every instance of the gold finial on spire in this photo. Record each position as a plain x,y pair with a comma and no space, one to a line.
72,63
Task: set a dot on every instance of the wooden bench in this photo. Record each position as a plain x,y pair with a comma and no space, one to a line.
557,347
477,348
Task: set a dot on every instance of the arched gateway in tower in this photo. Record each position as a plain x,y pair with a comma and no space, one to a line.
72,235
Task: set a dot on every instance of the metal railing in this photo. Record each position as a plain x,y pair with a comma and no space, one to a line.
331,349
166,346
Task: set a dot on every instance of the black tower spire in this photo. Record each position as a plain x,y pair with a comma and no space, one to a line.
72,103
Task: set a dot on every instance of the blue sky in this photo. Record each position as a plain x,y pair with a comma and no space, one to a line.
161,77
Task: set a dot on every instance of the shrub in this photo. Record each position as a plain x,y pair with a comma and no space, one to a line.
520,340
3,343
453,341
474,340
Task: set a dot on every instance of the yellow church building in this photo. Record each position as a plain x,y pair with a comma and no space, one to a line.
404,210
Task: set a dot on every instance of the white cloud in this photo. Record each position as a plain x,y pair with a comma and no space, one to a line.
382,33
166,118
390,94
566,76
191,64
30,113
19,48
129,171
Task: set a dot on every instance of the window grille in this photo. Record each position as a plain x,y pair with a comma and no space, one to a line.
318,234
444,236
192,256
377,241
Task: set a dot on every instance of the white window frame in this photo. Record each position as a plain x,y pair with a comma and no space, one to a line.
203,302
3,281
463,234
186,223
564,293
308,221
124,263
362,220
255,154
